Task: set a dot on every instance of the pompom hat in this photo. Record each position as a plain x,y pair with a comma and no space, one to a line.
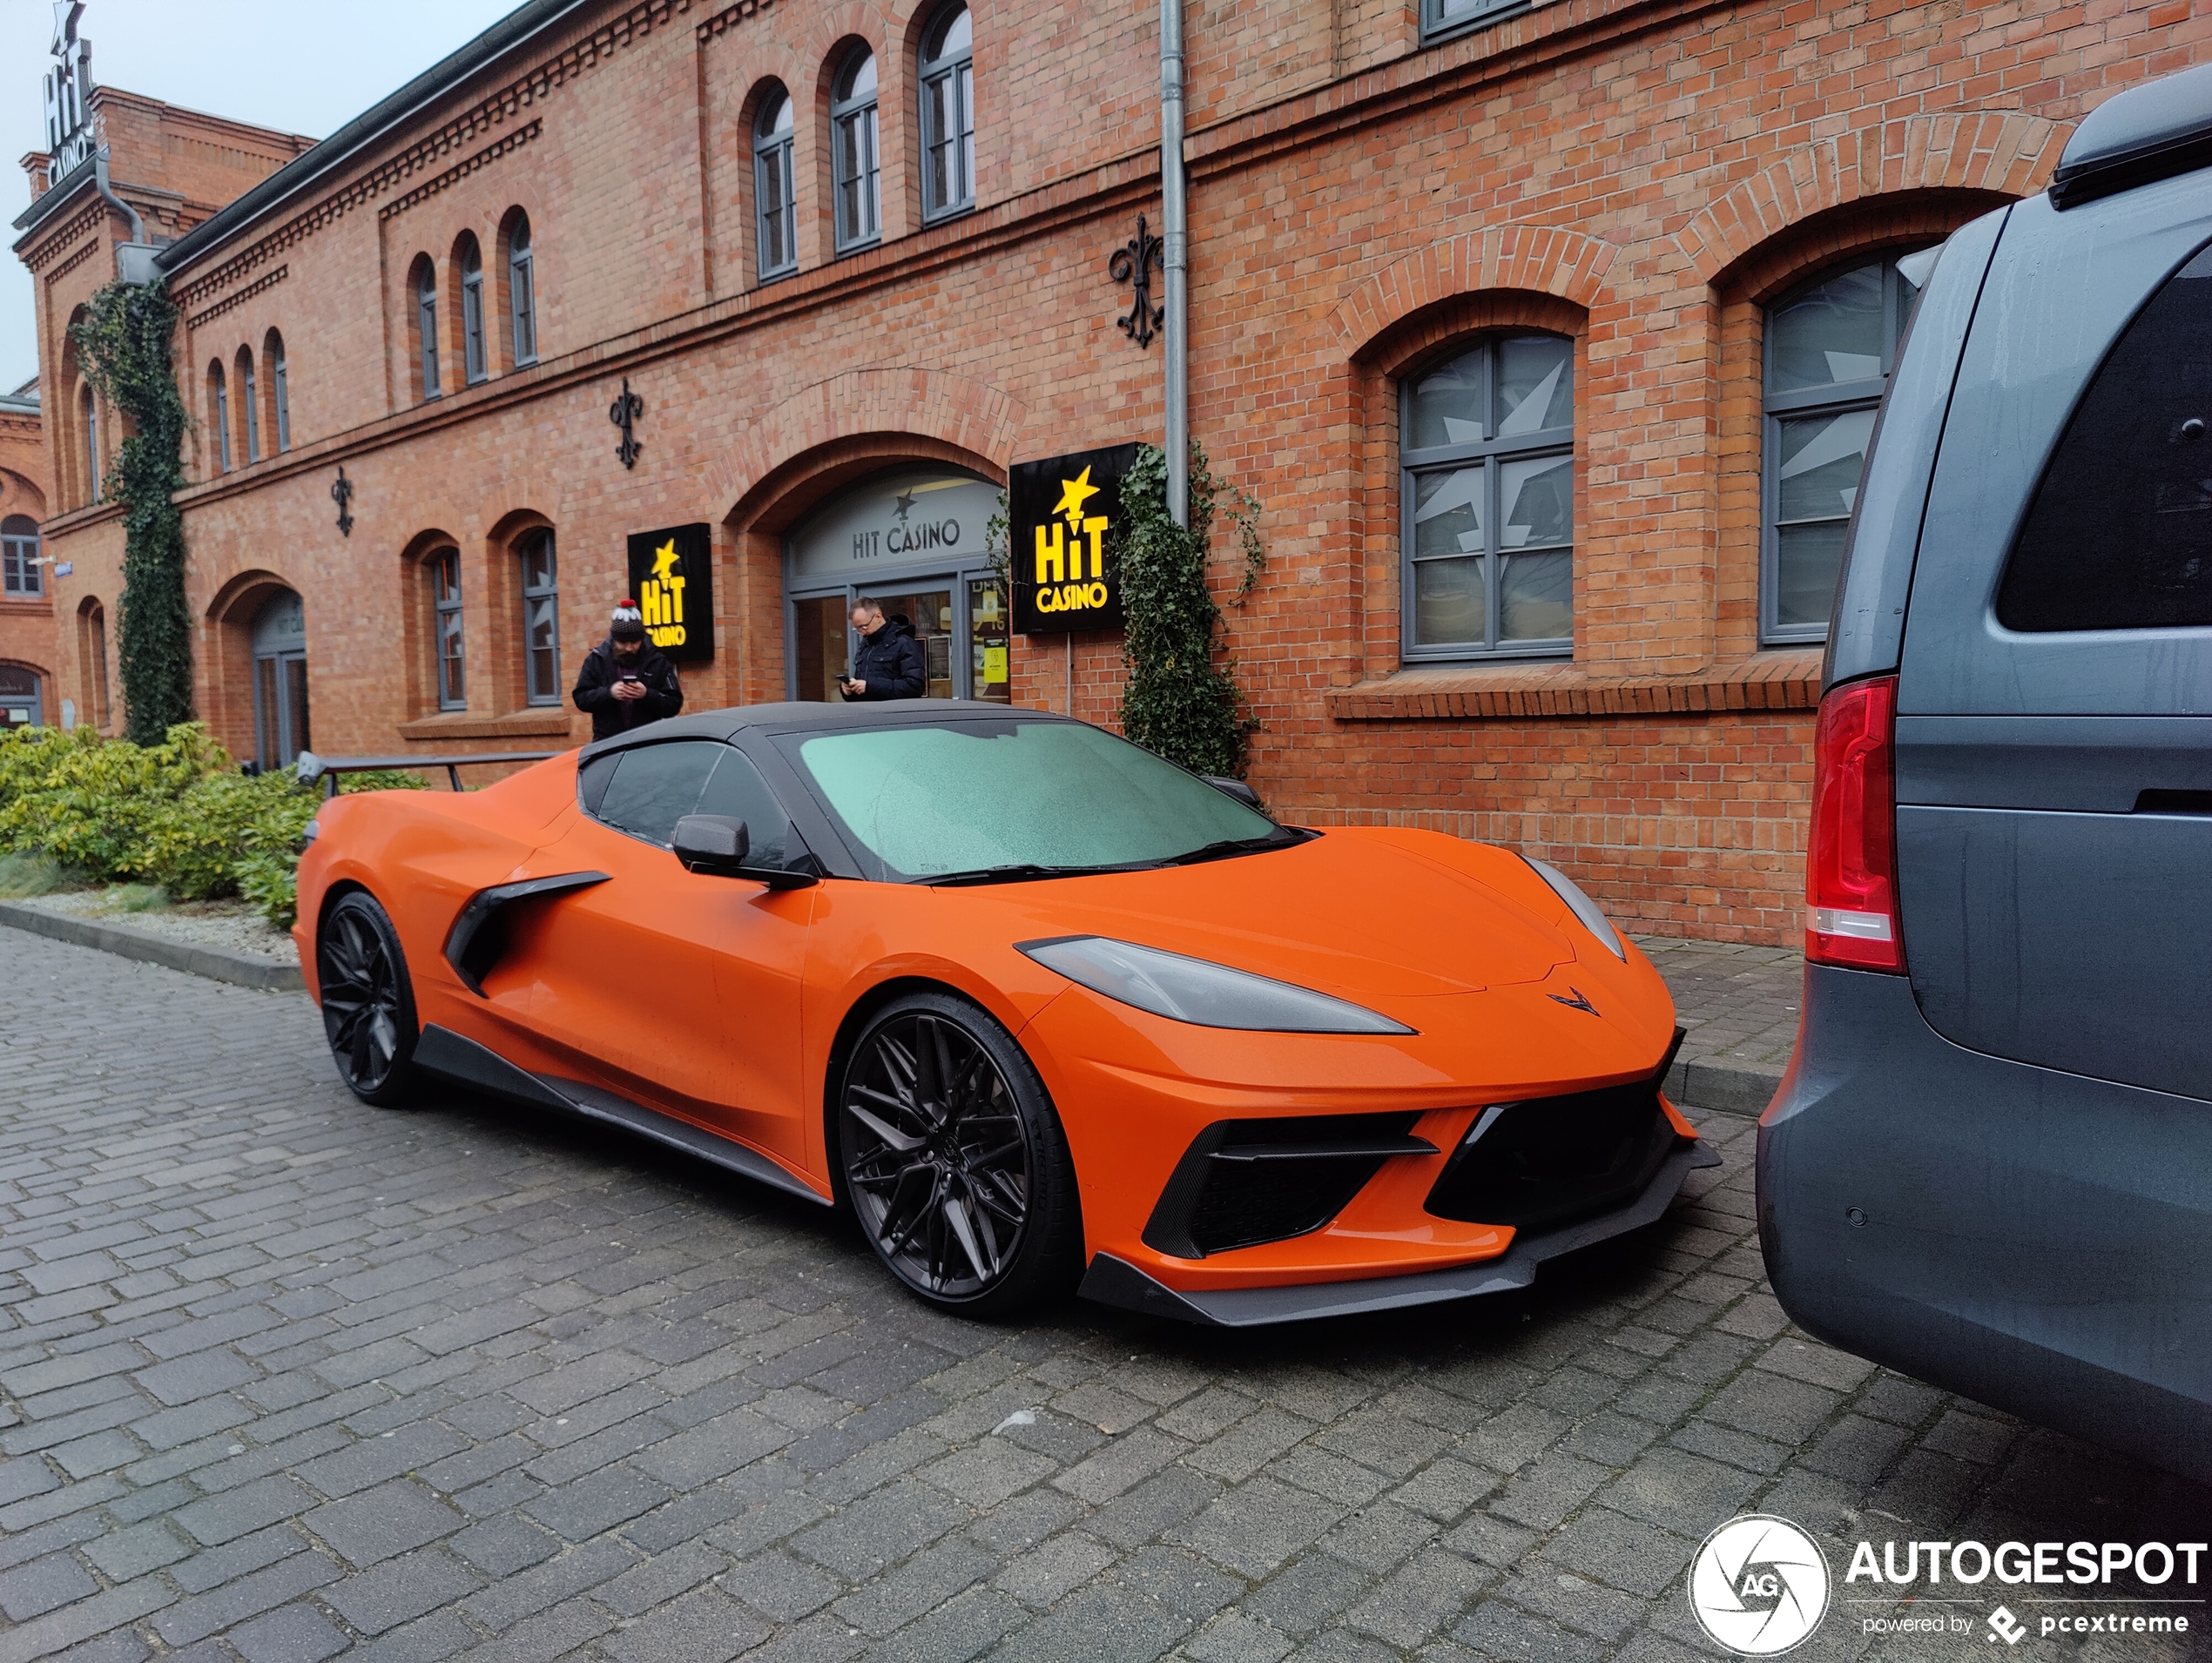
628,623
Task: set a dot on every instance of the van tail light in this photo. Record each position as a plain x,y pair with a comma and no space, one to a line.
1850,877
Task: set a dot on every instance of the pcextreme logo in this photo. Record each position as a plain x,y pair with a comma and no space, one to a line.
1759,1586
672,574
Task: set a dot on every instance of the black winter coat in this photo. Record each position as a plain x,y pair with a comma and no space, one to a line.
890,663
611,716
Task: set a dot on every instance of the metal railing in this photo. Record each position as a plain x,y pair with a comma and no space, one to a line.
311,768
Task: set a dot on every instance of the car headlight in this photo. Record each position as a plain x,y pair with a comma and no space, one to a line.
1581,906
1193,990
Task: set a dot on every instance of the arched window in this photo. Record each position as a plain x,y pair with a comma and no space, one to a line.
540,618
852,146
471,260
948,113
1830,348
20,704
218,412
1488,516
425,284
443,570
88,415
249,413
22,576
92,662
776,239
522,290
279,393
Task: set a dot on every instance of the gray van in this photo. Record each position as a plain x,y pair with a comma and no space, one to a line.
1990,1164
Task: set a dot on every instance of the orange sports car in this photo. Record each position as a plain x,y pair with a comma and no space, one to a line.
1036,1005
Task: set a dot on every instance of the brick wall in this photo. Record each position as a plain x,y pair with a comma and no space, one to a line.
1641,175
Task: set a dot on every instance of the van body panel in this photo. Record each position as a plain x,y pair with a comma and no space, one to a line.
1869,627
2033,1239
2061,289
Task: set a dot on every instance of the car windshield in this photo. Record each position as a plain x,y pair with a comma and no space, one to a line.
1015,798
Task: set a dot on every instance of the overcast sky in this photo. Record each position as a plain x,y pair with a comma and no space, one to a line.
304,66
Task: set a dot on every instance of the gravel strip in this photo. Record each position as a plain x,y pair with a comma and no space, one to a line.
233,925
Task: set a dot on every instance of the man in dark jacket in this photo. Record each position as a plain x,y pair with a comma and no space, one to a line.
888,663
625,683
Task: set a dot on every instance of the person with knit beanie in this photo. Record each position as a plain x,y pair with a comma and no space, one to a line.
626,682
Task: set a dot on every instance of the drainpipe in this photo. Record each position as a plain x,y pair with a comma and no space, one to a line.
133,260
1175,214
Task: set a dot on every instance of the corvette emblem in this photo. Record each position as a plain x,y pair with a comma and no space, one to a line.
1577,1003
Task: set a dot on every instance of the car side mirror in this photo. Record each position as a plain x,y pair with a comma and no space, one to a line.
716,846
1237,789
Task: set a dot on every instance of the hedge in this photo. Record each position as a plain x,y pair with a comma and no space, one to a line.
178,813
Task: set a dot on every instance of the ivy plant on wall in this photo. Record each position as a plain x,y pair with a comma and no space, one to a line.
1179,702
124,343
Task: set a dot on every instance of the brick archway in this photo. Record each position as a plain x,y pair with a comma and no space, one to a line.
1536,259
1997,150
969,415
788,459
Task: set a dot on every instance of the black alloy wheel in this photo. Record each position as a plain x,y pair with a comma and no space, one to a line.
953,1160
368,1003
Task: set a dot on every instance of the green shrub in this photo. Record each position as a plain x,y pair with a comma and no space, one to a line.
137,897
77,809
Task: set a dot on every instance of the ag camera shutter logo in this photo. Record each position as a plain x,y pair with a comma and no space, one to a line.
1759,1586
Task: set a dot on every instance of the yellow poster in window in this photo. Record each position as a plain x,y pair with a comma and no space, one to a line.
994,665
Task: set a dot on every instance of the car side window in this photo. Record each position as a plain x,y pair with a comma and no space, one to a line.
2118,535
736,790
654,787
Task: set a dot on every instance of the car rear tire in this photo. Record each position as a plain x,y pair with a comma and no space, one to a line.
368,1000
954,1161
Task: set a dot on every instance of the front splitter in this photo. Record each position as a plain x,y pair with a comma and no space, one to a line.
1115,1281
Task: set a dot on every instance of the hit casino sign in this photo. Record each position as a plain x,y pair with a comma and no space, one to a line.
671,573
1062,513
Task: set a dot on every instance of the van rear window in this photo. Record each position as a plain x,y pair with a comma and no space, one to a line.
2120,533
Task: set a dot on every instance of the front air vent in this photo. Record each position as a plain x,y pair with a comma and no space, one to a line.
1243,1183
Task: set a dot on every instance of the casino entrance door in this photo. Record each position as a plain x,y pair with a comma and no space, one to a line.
912,538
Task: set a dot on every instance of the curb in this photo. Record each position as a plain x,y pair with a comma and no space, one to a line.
1721,1088
218,964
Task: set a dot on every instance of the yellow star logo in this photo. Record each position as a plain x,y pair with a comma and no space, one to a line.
1074,493
664,559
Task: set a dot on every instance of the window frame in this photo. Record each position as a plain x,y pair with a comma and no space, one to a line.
475,362
774,148
1494,453
87,406
849,113
1437,28
23,575
426,325
959,68
1840,398
279,393
449,670
249,390
549,592
522,292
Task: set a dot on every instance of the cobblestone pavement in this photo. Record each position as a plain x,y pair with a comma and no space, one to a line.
282,1377
1740,1006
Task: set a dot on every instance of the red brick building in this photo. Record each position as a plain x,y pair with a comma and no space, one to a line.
1549,336
27,690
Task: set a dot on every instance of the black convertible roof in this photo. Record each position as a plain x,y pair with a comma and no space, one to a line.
796,717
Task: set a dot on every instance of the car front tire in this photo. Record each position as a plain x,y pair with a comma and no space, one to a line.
954,1161
368,1000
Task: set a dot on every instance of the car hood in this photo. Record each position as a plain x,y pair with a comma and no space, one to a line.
1357,916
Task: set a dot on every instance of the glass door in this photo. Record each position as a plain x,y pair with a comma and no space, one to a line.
821,646
989,676
280,707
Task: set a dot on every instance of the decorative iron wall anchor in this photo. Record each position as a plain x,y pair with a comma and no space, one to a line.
623,411
1134,266
342,495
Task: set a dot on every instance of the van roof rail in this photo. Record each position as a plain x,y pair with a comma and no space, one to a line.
2149,132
